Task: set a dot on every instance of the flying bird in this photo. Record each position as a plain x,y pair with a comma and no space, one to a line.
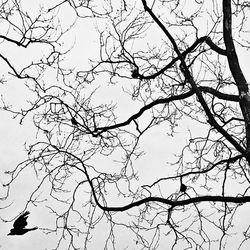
20,224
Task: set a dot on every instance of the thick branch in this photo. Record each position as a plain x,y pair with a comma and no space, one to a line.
220,95
214,47
236,70
142,110
176,203
10,65
188,76
185,53
230,49
172,203
212,91
14,41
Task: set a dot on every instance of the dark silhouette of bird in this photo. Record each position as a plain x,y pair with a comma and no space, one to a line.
183,188
20,224
135,73
74,121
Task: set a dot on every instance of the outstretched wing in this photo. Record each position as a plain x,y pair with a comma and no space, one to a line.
21,221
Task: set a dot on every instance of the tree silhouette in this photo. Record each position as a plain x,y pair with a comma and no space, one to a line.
178,109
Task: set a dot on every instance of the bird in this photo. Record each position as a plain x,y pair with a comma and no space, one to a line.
20,224
135,73
74,121
183,188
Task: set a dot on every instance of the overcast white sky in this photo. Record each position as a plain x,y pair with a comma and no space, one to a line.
13,136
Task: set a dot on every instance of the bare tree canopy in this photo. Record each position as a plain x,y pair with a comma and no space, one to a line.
142,117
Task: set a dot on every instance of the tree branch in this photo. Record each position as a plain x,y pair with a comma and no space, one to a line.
200,40
176,203
218,94
188,76
236,69
142,110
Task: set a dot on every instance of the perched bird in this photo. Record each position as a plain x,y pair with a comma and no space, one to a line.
74,121
135,73
20,224
183,188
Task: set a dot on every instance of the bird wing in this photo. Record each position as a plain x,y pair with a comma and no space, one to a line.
21,221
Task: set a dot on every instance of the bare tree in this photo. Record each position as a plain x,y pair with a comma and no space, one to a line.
150,142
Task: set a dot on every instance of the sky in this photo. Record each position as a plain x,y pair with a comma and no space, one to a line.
13,136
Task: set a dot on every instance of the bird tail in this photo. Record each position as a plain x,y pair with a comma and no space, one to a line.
25,214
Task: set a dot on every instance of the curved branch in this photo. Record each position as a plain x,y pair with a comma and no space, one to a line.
202,171
236,69
176,203
231,52
214,47
212,91
11,66
190,79
172,203
200,40
15,42
220,95
142,110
